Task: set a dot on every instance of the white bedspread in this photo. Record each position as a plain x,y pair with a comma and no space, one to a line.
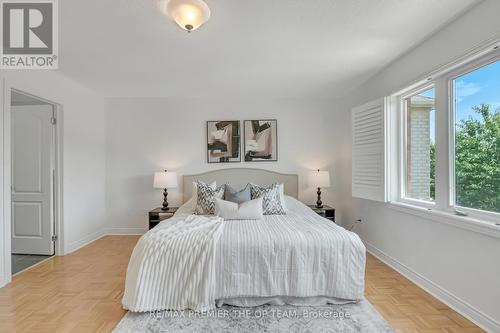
172,266
182,263
296,255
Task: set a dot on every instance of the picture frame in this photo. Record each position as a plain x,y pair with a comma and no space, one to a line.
223,141
260,140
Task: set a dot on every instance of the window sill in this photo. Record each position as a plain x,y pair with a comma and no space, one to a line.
463,222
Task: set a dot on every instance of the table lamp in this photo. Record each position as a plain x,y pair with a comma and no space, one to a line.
319,179
165,179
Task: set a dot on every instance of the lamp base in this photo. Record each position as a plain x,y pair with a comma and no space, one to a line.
165,202
319,204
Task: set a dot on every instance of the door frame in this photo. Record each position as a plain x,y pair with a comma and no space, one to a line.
5,180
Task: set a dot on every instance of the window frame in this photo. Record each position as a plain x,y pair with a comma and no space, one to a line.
403,144
442,81
450,77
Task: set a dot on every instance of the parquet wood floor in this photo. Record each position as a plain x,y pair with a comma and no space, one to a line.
81,292
408,308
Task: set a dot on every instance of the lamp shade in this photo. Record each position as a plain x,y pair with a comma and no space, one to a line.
165,179
188,14
319,178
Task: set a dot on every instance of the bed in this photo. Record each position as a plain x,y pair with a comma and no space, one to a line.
299,258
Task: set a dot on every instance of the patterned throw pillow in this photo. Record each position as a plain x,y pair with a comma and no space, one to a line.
205,204
271,202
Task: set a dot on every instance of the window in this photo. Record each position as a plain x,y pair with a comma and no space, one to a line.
419,116
456,113
477,138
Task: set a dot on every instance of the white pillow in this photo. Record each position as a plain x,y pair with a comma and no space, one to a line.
190,205
248,210
282,195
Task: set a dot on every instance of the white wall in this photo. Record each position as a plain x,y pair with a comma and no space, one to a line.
148,135
108,165
461,266
83,150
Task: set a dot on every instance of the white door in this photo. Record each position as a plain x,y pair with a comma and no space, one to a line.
32,199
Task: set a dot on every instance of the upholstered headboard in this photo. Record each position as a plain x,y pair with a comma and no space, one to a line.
239,177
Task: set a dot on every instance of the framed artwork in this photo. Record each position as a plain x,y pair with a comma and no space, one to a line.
223,141
261,140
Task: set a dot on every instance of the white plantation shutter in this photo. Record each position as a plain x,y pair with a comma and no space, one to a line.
369,151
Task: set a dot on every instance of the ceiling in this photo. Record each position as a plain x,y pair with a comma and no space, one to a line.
257,48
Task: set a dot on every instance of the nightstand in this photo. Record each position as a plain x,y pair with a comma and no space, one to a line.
327,212
157,215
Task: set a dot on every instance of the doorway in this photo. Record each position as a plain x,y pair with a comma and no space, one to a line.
33,170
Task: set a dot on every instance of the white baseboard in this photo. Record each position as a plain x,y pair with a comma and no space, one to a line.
3,280
479,318
125,231
72,247
101,233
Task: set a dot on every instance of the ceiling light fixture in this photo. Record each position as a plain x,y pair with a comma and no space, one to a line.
188,14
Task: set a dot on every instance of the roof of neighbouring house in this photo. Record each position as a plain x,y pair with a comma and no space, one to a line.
422,101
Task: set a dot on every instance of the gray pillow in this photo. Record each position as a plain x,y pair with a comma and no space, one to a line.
237,196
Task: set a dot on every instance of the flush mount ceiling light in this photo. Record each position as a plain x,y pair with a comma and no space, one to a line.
188,14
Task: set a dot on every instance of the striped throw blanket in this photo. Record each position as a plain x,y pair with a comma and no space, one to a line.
172,266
